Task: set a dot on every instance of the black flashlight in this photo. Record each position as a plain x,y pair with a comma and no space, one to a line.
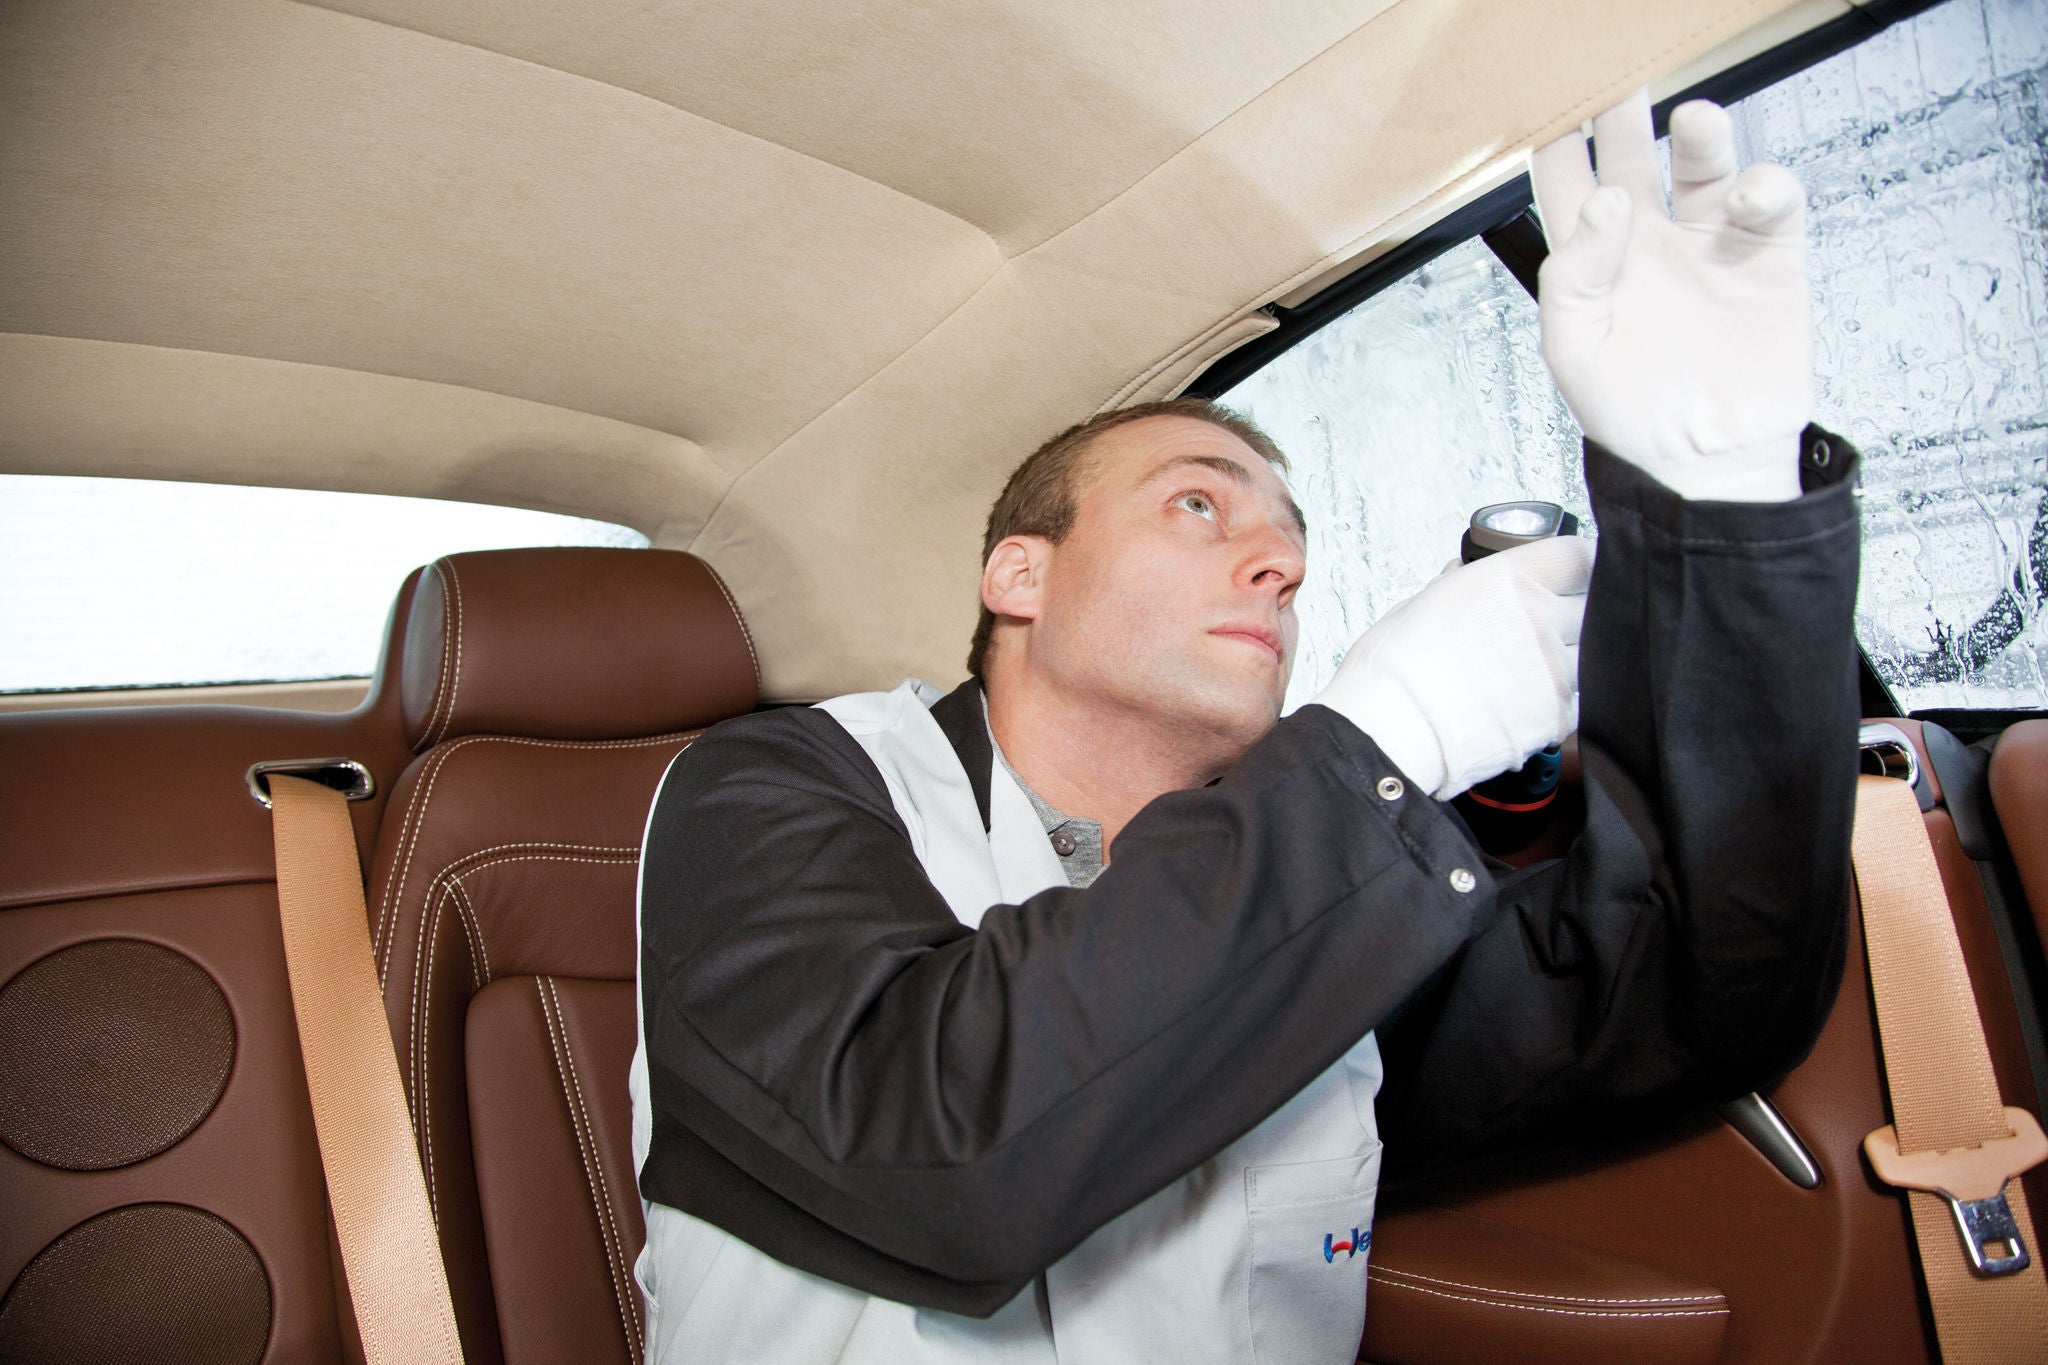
1504,809
1505,525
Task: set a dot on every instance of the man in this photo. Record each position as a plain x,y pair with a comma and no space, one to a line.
920,1086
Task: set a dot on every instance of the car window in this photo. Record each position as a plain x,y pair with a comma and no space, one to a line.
139,583
1400,419
1921,150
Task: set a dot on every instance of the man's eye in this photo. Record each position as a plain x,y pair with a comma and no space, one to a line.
1198,503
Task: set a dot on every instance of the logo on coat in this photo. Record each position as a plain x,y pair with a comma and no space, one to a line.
1360,1241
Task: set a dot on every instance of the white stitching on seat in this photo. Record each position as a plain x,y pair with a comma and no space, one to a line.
422,796
629,1300
611,859
745,633
419,1079
1554,1298
545,989
419,1054
465,915
440,677
394,891
468,863
418,1064
455,687
1558,1312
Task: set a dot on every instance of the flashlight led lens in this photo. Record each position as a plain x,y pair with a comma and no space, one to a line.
1517,519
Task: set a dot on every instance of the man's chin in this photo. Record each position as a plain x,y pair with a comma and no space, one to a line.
1237,717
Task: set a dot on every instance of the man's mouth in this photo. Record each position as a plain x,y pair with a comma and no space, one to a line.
1252,632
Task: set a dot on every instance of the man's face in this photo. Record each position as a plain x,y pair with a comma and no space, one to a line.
1173,595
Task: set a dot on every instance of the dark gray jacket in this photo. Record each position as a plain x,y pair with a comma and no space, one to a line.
847,1078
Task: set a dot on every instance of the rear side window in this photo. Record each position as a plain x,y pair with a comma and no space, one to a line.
1400,419
139,583
1921,151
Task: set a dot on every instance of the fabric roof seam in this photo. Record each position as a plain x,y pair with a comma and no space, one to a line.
720,474
652,99
1198,138
1590,105
1585,106
1522,142
1263,91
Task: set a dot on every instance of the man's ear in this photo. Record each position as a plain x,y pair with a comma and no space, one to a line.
1013,580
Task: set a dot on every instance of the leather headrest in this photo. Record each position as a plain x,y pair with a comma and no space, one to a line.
572,643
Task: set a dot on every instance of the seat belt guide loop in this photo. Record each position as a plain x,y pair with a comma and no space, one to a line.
1972,1180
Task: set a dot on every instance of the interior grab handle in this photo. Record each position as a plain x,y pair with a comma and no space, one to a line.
1758,1120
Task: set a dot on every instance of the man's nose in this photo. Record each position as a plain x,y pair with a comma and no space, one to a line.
1273,560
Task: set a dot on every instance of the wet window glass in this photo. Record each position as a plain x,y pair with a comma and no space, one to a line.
1922,153
1401,418
138,583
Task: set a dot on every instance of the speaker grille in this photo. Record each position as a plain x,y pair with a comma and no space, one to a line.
148,1283
110,1051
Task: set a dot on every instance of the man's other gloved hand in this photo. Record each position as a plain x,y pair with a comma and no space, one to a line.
1682,342
1477,671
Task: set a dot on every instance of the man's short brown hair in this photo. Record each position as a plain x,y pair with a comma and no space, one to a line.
1043,494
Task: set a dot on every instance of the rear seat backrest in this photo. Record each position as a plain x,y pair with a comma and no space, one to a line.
545,692
2019,791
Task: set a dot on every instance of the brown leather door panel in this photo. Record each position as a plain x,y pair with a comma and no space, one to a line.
1821,1275
250,1162
161,1194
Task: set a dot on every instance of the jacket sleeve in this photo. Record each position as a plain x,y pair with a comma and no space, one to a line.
1689,946
850,1080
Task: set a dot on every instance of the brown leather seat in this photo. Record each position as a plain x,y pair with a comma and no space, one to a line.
544,692
2019,790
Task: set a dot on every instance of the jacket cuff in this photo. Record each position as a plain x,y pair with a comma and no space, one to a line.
1435,839
1827,478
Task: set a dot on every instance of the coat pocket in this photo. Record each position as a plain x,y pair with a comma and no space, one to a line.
1311,1230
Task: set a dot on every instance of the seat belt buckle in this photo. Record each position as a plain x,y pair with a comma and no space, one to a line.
1972,1180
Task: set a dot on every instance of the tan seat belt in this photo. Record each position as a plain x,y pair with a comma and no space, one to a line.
1952,1146
389,1248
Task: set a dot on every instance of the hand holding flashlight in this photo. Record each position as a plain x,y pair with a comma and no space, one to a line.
1513,797
1476,672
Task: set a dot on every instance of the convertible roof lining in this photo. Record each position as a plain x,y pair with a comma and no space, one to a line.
791,285
1018,118
117,409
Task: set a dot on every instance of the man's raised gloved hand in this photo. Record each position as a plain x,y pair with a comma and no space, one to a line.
1477,671
1681,341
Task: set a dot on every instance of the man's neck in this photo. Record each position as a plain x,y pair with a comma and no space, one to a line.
1101,765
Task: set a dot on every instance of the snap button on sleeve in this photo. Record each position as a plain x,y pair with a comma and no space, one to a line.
1391,789
1462,880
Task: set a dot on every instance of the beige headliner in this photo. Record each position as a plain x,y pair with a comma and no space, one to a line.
789,285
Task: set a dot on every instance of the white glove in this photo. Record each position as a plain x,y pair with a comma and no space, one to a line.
1477,671
1683,343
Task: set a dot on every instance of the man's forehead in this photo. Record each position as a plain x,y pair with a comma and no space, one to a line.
1136,449
1153,447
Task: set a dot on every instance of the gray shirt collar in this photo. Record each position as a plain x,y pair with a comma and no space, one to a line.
1078,842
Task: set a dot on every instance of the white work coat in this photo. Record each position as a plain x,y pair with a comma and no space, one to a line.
1258,1254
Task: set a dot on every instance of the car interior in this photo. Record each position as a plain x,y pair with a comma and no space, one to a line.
785,291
